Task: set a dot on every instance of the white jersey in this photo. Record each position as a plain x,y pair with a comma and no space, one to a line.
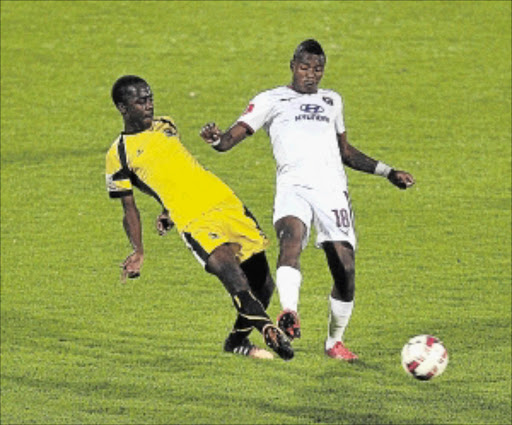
302,129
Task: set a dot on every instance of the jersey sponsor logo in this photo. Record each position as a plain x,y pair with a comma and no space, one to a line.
311,108
312,117
313,112
249,109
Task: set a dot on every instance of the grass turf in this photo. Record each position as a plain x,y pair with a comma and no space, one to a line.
426,88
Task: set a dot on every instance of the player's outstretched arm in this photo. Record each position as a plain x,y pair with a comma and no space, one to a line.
354,158
133,228
361,162
220,141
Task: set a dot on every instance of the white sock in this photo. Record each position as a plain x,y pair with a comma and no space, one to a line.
339,316
288,282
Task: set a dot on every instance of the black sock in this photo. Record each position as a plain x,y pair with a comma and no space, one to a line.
236,338
260,280
251,312
240,331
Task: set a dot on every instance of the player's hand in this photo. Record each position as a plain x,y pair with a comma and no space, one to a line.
210,133
164,223
131,266
401,179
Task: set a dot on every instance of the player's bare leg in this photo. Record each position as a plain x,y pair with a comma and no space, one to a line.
290,232
341,260
251,312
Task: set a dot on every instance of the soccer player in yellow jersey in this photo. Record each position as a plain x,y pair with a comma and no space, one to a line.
212,221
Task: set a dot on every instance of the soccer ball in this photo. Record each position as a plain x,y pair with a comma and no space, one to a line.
424,357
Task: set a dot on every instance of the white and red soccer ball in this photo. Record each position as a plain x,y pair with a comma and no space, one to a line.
424,357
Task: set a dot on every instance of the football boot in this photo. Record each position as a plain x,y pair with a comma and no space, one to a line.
340,352
246,348
277,340
288,321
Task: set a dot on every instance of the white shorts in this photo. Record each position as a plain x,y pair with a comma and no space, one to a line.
331,212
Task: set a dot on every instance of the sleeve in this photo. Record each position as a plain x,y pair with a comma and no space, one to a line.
257,113
339,121
117,177
166,125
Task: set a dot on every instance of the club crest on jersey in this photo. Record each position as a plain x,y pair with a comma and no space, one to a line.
328,100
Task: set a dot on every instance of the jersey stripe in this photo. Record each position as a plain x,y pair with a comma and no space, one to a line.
136,181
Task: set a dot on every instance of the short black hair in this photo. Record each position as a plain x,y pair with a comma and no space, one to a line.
122,83
309,46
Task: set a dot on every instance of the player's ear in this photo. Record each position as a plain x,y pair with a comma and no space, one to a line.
291,65
121,107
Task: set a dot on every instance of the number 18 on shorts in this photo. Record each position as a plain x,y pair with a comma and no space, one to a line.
330,212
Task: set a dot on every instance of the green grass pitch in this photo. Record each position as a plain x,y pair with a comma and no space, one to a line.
427,88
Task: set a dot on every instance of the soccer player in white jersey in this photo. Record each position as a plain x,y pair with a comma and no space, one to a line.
307,131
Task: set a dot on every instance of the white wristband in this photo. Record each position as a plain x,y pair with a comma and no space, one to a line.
382,169
217,142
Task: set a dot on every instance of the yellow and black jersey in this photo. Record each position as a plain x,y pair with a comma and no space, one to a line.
156,162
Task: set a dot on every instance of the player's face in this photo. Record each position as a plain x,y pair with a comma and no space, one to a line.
307,71
137,108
